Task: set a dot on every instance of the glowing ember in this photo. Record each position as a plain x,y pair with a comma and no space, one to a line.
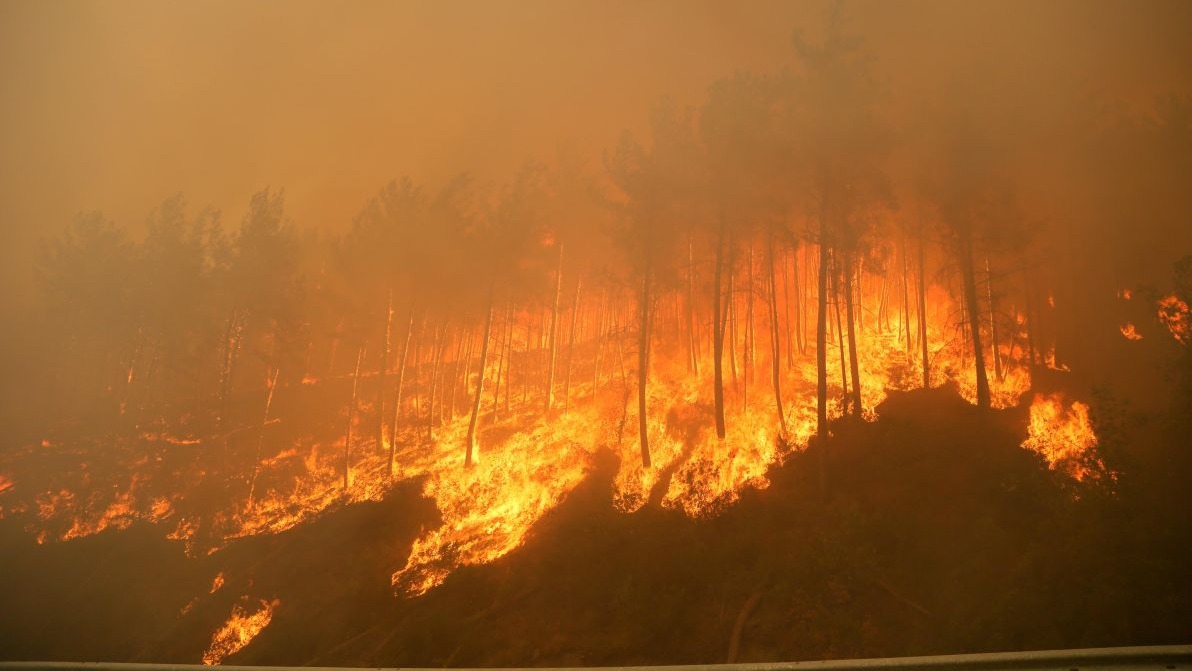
240,629
1129,333
1063,435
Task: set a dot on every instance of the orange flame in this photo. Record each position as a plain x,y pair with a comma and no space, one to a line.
240,629
1063,435
528,463
1174,314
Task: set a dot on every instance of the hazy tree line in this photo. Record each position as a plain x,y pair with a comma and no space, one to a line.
779,217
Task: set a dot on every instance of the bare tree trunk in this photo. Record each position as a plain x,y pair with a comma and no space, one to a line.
384,368
502,353
973,311
571,344
509,375
1030,329
334,350
905,315
231,350
775,344
463,358
437,348
923,315
643,361
529,360
997,354
821,350
964,326
256,464
554,325
856,289
732,309
750,330
786,312
600,337
692,340
852,334
718,334
130,374
821,332
351,416
401,376
845,398
475,420
802,346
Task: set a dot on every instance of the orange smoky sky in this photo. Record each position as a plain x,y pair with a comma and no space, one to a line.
114,106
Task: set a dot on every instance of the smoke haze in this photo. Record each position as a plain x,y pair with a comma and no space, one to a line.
114,106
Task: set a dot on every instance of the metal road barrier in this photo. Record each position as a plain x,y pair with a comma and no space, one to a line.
1099,659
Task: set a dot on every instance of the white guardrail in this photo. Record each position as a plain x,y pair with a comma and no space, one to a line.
1100,659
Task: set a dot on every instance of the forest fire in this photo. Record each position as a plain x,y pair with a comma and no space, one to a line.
525,463
855,341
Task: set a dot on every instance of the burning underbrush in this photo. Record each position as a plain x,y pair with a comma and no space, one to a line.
230,500
586,583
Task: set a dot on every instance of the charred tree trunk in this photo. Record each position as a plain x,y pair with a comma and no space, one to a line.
786,312
906,306
554,326
231,350
401,376
775,344
384,368
854,371
509,375
334,349
502,355
256,464
973,314
845,399
351,416
643,360
692,339
923,316
718,335
997,354
437,348
600,338
802,346
821,332
571,343
463,356
1030,330
750,331
732,310
475,420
